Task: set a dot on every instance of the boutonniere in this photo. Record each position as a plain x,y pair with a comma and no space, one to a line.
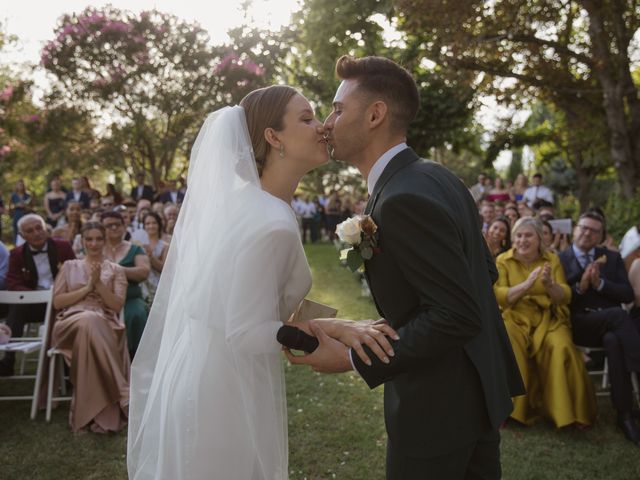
361,233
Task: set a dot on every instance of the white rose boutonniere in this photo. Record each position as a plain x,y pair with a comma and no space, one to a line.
361,233
349,231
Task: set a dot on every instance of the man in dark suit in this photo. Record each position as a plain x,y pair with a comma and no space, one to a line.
77,194
172,195
141,190
449,382
32,266
600,285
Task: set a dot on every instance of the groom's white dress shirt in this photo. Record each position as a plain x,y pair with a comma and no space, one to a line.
381,164
372,179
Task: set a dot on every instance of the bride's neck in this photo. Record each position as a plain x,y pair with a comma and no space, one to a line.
279,183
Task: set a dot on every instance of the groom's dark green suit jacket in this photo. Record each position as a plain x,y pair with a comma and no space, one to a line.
453,372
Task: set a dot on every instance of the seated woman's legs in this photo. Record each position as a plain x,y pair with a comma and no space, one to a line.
99,368
523,410
567,391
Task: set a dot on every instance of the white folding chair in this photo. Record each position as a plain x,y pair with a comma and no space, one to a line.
604,372
27,345
56,358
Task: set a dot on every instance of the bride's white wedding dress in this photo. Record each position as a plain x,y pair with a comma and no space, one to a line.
207,387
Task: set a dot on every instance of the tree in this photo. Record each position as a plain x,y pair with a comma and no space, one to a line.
322,31
574,54
150,78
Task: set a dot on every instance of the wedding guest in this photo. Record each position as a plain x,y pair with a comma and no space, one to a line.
136,268
88,294
487,214
499,208
158,207
554,242
71,223
1,213
320,218
512,214
498,236
333,215
607,240
54,202
545,211
360,205
4,265
347,207
534,296
20,204
173,194
156,249
114,194
600,286
537,192
519,187
86,187
78,194
32,266
85,215
498,192
142,190
630,253
107,203
171,217
478,191
525,211
308,211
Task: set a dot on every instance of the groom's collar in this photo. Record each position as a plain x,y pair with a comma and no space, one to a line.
381,164
399,161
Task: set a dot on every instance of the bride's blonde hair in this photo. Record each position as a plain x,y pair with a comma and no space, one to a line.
265,108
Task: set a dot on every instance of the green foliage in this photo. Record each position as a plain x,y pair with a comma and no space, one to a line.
152,77
322,31
572,55
622,213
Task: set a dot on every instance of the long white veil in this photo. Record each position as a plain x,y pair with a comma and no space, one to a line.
207,377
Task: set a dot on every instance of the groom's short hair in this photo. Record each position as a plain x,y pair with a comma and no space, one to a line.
385,79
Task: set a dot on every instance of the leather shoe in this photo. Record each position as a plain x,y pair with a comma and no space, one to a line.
628,426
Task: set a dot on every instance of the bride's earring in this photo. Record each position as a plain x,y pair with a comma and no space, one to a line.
281,151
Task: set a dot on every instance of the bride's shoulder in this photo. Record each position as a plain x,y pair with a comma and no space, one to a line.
276,213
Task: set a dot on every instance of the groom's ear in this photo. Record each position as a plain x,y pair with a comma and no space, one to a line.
377,113
271,136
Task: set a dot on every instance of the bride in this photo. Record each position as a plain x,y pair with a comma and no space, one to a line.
207,387
207,392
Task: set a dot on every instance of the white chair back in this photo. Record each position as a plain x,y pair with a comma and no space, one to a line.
30,297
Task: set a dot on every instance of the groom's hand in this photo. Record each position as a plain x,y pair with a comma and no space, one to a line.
331,356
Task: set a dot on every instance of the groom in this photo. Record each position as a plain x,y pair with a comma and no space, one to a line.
449,383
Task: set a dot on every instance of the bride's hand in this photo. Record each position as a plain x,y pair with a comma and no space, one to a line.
372,333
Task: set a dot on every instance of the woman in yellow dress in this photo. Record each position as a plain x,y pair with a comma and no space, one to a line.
534,297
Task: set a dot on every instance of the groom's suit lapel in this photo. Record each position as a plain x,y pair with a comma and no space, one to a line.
397,163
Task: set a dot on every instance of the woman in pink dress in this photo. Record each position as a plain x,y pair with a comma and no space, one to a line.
498,193
88,294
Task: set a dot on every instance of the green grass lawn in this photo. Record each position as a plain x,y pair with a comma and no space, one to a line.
335,424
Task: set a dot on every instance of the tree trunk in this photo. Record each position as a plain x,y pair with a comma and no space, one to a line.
585,179
620,96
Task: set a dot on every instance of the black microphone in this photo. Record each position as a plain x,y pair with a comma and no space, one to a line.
296,339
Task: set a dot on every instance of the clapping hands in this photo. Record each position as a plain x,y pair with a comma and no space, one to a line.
94,278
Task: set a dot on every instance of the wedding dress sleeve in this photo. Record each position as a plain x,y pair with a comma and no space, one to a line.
258,298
